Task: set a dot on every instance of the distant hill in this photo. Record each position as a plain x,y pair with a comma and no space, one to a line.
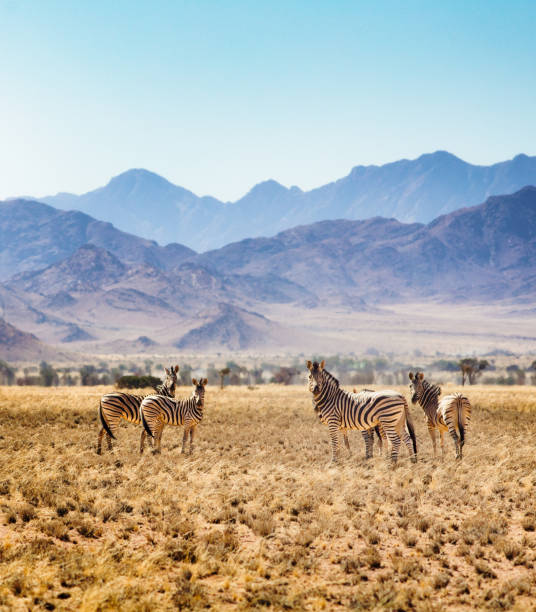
34,235
16,345
486,251
145,204
235,297
231,328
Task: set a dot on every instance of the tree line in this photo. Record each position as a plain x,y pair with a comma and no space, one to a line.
349,370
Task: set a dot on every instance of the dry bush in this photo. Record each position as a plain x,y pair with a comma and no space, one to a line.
254,519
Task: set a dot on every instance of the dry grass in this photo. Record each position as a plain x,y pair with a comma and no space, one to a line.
254,518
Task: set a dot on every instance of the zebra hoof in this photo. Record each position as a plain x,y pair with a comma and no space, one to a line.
99,452
414,459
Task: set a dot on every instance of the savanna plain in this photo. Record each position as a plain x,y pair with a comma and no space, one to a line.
255,518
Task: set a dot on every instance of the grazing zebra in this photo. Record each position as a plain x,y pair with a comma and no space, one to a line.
342,410
116,406
157,411
452,413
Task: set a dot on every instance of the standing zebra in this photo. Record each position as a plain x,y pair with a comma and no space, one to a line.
343,410
157,411
368,435
116,406
452,413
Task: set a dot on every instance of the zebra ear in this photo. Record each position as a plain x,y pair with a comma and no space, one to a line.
309,365
204,382
167,371
411,376
194,381
176,369
420,375
322,364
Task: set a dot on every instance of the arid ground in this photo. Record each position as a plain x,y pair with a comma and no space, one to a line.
255,519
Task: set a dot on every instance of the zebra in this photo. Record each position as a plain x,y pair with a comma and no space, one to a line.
368,435
364,410
116,406
452,413
157,411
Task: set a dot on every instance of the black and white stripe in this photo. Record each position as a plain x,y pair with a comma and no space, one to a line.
368,435
342,410
157,411
452,413
114,407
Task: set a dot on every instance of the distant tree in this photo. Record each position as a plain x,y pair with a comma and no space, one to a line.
284,375
88,375
48,374
133,381
471,368
185,375
223,373
517,373
7,373
256,374
532,367
445,365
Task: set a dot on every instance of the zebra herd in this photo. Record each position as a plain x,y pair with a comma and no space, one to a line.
384,412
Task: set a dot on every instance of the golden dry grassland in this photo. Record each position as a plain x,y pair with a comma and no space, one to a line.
255,519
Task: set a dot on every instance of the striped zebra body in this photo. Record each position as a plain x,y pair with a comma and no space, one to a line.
117,406
157,411
452,413
363,411
368,435
455,412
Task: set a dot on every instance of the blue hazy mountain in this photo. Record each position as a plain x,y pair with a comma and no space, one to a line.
145,204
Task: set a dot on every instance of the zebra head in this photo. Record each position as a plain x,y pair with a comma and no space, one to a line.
170,381
316,376
199,391
416,386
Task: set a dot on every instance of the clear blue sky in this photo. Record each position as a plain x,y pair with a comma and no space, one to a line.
219,95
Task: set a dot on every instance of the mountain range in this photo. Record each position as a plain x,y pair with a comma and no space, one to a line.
145,204
81,282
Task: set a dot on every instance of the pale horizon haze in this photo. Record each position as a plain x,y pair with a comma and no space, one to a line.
217,97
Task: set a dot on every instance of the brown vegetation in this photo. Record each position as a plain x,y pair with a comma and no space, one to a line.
254,518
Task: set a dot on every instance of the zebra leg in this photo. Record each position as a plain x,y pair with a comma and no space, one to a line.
368,438
346,443
334,435
381,437
432,432
395,441
192,430
142,440
99,441
184,438
407,441
442,442
454,436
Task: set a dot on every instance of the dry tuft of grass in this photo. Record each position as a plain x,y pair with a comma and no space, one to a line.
255,519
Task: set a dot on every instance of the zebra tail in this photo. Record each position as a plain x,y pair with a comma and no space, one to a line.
411,429
104,423
146,425
461,427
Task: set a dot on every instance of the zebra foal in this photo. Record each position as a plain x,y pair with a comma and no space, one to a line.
452,413
341,410
116,406
157,411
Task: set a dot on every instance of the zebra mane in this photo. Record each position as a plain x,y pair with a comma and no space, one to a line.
331,378
434,388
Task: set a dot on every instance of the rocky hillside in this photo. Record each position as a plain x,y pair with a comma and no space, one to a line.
148,205
34,235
